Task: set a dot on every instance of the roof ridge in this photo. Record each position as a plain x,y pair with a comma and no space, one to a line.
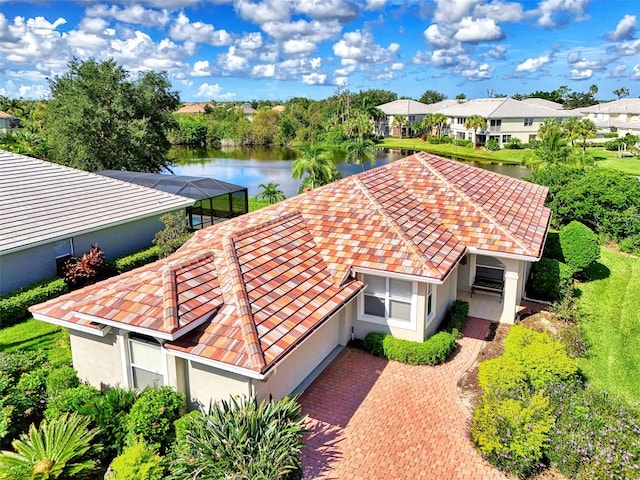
247,325
395,227
420,156
280,218
170,288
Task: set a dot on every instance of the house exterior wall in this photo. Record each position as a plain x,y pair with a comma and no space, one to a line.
23,267
206,384
298,364
97,359
511,127
5,125
445,295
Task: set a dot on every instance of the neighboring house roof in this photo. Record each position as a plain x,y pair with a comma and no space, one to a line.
197,188
625,105
543,102
246,291
279,108
192,108
404,107
6,115
505,108
42,202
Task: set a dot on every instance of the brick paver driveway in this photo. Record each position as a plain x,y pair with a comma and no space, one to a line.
373,419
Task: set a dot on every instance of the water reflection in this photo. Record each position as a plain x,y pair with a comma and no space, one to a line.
249,167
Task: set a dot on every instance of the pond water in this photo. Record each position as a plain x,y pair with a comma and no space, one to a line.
249,167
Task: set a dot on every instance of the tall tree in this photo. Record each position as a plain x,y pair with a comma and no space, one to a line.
432,96
551,148
586,130
475,122
360,150
98,118
271,192
313,166
399,121
621,92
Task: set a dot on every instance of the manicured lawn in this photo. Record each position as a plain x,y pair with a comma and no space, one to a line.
630,165
35,335
612,324
256,203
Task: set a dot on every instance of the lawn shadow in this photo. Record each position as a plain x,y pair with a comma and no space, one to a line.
27,343
597,271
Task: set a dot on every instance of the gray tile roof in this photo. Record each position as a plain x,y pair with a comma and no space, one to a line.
405,107
41,202
542,102
625,105
504,108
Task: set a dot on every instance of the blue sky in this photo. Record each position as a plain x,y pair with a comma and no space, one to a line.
277,49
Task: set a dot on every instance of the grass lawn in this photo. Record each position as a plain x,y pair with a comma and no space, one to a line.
35,335
612,324
256,203
629,165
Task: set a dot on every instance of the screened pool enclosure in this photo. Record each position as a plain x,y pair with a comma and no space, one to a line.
215,200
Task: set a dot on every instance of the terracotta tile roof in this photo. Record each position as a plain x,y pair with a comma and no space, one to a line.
246,291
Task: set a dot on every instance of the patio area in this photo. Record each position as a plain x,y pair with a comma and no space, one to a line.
373,419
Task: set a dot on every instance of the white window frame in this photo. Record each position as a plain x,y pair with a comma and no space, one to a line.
430,300
391,322
528,121
162,370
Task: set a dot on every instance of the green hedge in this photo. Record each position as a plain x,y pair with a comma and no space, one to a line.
14,307
550,279
456,318
579,244
434,351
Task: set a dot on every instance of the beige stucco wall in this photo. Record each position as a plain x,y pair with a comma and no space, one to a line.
97,359
205,384
289,373
445,296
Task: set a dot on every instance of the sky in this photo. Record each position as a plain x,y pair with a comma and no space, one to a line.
243,50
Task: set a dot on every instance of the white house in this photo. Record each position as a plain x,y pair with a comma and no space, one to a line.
5,122
506,119
255,304
48,212
621,116
414,112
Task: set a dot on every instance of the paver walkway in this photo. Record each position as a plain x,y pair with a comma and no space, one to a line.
373,419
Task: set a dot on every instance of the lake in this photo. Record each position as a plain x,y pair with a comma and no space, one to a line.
249,167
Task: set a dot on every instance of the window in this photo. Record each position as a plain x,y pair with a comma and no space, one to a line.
528,122
494,125
146,362
460,120
388,298
506,138
430,304
412,118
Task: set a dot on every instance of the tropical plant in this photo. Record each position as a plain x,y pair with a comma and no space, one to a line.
360,150
173,235
137,462
400,121
475,122
586,129
271,192
551,147
59,448
90,267
621,92
358,125
432,96
243,439
313,166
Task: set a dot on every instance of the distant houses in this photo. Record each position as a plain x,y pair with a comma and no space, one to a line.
620,116
6,122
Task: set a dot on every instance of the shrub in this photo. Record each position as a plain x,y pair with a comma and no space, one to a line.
514,144
70,400
59,448
596,435
631,244
459,142
503,375
137,462
579,244
135,259
456,318
90,267
152,415
512,433
15,307
552,248
433,351
62,378
492,145
572,337
550,279
243,439
173,235
29,397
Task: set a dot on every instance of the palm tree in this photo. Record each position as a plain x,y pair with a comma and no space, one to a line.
60,448
551,148
271,193
313,165
586,129
359,150
399,121
570,128
439,120
474,122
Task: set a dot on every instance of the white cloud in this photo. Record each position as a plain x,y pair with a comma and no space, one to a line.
618,71
360,47
500,11
577,74
251,41
555,13
629,48
452,11
345,11
298,47
341,81
314,78
315,63
262,12
183,29
397,66
133,14
624,30
438,36
375,4
201,69
478,30
233,62
214,91
531,65
263,71
314,31
636,71
498,52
